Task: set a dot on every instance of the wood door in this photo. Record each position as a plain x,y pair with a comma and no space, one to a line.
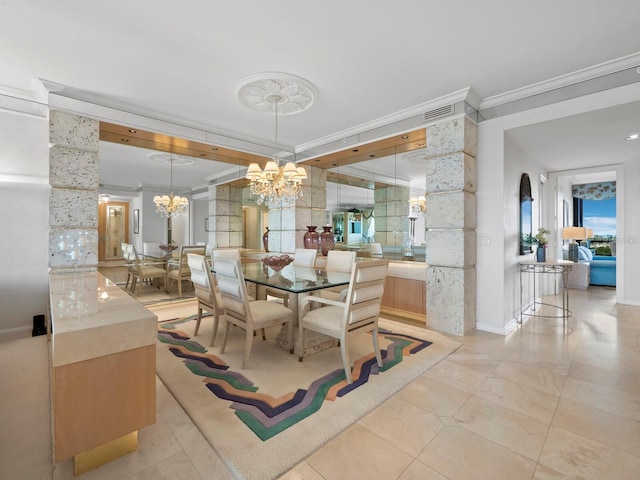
113,229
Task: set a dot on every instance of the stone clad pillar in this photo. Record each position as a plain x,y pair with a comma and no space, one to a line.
451,222
73,200
225,216
287,225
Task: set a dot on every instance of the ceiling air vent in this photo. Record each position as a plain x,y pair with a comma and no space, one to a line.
438,112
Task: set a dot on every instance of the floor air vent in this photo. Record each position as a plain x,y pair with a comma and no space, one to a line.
438,112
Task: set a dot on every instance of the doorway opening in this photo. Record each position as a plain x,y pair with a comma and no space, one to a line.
113,229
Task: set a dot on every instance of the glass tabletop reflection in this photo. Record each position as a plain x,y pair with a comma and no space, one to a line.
293,278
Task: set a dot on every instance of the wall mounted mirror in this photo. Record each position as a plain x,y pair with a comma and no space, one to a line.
526,212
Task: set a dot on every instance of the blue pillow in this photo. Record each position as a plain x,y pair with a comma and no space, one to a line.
584,254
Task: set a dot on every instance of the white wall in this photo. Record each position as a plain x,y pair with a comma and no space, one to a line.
199,211
496,285
24,234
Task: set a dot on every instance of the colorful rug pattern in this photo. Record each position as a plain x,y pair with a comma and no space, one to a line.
264,414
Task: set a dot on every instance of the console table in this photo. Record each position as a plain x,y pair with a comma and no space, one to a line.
560,270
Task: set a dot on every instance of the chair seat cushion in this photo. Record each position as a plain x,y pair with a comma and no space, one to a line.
327,320
152,271
265,313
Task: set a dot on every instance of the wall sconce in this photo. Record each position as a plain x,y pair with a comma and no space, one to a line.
418,204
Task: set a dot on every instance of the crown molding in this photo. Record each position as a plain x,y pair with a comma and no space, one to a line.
578,76
464,94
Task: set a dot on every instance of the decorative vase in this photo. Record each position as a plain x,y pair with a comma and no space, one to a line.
265,240
311,238
541,254
327,241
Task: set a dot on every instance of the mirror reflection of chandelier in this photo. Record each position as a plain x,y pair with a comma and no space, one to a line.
285,94
418,204
170,205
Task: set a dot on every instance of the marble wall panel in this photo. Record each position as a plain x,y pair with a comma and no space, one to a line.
305,199
457,134
451,210
222,223
220,192
235,194
317,177
381,210
451,297
275,220
318,198
302,219
235,239
69,247
450,173
222,239
451,247
219,207
74,132
235,224
318,217
69,167
289,239
380,195
73,208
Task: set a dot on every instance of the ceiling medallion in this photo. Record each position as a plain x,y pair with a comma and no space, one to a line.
166,158
264,91
417,156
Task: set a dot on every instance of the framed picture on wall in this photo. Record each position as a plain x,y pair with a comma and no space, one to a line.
136,221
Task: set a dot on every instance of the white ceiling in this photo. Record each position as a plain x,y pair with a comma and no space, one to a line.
367,59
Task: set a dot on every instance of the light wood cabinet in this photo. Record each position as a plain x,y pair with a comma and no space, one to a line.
405,297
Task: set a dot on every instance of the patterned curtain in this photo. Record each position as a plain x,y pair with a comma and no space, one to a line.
595,191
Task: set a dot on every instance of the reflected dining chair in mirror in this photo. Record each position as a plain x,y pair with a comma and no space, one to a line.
359,313
178,268
145,271
241,312
303,257
207,292
376,250
129,259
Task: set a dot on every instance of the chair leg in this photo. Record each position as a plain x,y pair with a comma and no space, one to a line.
134,282
195,331
300,342
179,287
226,336
345,359
264,334
214,334
376,346
290,336
248,342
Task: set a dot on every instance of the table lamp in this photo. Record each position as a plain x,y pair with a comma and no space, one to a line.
572,234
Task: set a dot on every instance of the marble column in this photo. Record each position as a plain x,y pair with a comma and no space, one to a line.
287,225
73,200
451,221
392,215
225,216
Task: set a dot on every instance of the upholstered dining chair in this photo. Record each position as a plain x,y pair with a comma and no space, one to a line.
207,292
130,259
303,257
178,268
247,315
142,271
358,313
341,261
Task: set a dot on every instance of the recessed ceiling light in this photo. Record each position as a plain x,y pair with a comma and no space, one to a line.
355,150
633,136
372,156
203,154
404,137
131,130
214,148
125,140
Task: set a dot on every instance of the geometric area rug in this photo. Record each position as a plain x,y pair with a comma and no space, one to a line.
265,419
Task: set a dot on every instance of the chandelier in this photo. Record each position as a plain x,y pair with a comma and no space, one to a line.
170,205
418,204
276,183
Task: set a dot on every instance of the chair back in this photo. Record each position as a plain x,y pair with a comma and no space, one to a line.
340,261
204,283
152,249
232,253
376,250
364,295
305,257
233,288
186,250
127,252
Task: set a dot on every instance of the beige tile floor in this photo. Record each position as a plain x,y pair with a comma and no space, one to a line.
541,403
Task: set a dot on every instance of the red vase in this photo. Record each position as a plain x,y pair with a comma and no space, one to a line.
311,238
327,241
265,240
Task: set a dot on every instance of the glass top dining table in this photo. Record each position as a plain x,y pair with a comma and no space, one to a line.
292,278
299,282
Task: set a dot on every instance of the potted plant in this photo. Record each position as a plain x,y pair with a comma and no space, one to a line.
541,241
